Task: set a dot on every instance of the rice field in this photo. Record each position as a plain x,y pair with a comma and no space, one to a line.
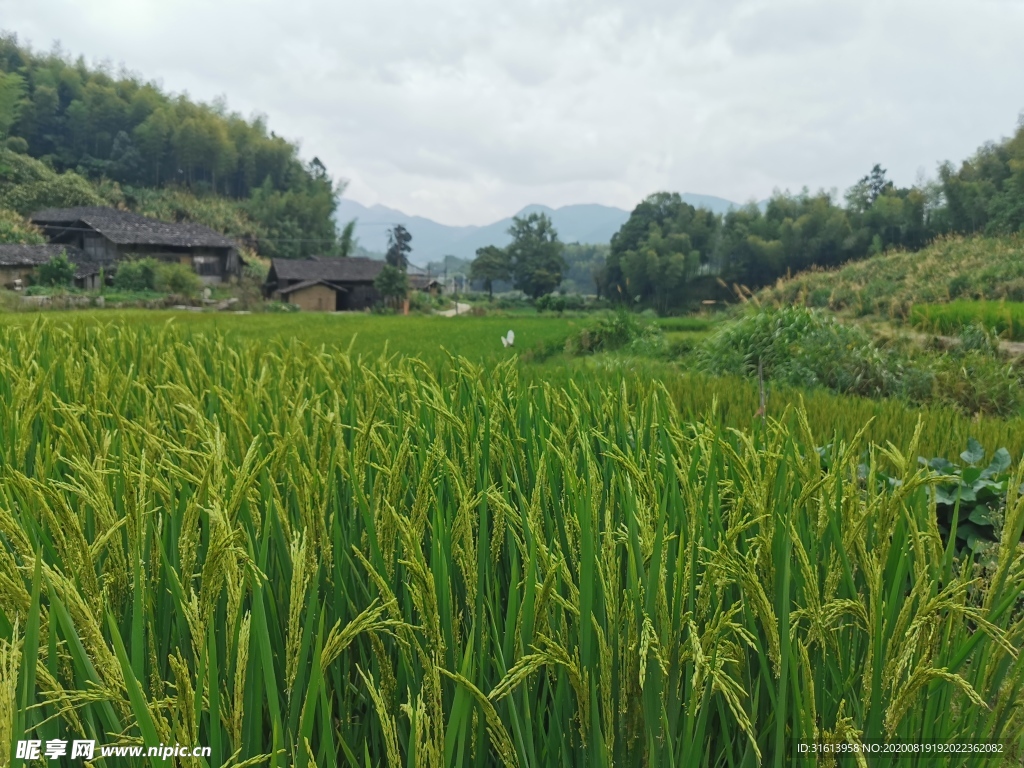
298,556
428,337
1004,317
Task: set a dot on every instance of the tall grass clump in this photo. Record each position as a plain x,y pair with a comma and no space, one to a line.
621,330
297,557
807,347
1003,317
800,347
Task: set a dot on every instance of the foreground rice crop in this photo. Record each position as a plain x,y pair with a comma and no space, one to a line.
297,557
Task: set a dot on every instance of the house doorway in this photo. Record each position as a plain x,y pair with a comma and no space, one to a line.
340,300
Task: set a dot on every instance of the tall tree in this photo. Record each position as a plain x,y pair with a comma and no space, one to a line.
399,247
347,240
12,100
490,264
535,255
392,284
661,247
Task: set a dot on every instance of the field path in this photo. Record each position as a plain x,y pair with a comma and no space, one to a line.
461,309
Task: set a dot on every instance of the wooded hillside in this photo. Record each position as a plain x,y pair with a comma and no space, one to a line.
124,136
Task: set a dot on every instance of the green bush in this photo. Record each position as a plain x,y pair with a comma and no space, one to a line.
26,185
976,337
14,229
255,271
392,284
426,303
805,347
623,329
58,271
977,381
820,297
136,275
179,279
959,286
17,145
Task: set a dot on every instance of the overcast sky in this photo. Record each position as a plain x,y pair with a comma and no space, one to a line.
466,110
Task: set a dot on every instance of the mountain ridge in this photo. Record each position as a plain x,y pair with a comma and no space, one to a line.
589,223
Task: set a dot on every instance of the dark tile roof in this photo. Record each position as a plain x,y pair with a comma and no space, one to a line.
34,255
309,284
350,270
126,228
12,255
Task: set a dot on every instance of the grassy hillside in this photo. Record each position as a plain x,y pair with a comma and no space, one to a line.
890,284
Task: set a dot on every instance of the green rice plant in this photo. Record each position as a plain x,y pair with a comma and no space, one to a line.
685,323
1005,318
299,556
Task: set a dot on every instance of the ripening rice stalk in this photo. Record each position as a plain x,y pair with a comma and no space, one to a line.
294,557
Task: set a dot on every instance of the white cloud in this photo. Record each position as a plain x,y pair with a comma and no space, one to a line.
465,110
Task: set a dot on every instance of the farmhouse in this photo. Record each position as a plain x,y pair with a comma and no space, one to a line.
108,235
324,284
19,262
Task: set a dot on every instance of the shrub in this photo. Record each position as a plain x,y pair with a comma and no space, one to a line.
14,229
976,381
392,284
27,185
56,272
280,306
179,279
420,301
976,337
805,347
820,297
136,275
959,286
17,145
609,332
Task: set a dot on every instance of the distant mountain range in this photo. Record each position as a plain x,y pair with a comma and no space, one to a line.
588,223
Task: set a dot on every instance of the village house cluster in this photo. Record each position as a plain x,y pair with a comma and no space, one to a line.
97,239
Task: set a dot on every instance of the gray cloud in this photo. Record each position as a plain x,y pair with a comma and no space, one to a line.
465,110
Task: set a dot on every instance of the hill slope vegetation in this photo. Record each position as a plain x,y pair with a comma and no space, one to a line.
951,268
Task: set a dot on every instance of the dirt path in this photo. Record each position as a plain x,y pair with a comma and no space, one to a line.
461,309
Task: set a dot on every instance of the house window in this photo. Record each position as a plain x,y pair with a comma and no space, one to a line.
206,265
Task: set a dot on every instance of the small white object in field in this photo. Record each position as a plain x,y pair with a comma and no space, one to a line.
508,341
